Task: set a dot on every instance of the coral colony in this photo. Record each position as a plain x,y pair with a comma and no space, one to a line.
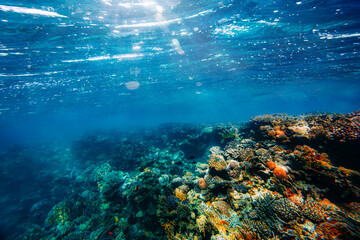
275,177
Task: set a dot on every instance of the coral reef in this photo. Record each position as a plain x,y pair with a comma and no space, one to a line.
276,177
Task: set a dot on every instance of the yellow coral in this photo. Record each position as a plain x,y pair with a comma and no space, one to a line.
168,227
218,215
201,222
188,174
218,165
180,195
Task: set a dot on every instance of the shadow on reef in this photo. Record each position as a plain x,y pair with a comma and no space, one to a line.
276,177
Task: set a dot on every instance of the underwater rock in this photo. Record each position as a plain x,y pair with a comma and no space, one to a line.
176,182
189,179
202,168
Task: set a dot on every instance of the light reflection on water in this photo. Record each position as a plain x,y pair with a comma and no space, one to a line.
233,59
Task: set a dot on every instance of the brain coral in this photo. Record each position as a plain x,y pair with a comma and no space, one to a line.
313,211
286,209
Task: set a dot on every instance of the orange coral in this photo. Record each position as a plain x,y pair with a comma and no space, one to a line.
332,230
347,172
297,199
280,173
202,184
224,222
271,165
276,133
219,214
262,128
279,134
312,159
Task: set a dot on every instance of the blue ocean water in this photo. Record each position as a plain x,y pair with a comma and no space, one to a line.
68,66
76,75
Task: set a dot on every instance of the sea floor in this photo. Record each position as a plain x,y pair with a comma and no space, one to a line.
274,177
